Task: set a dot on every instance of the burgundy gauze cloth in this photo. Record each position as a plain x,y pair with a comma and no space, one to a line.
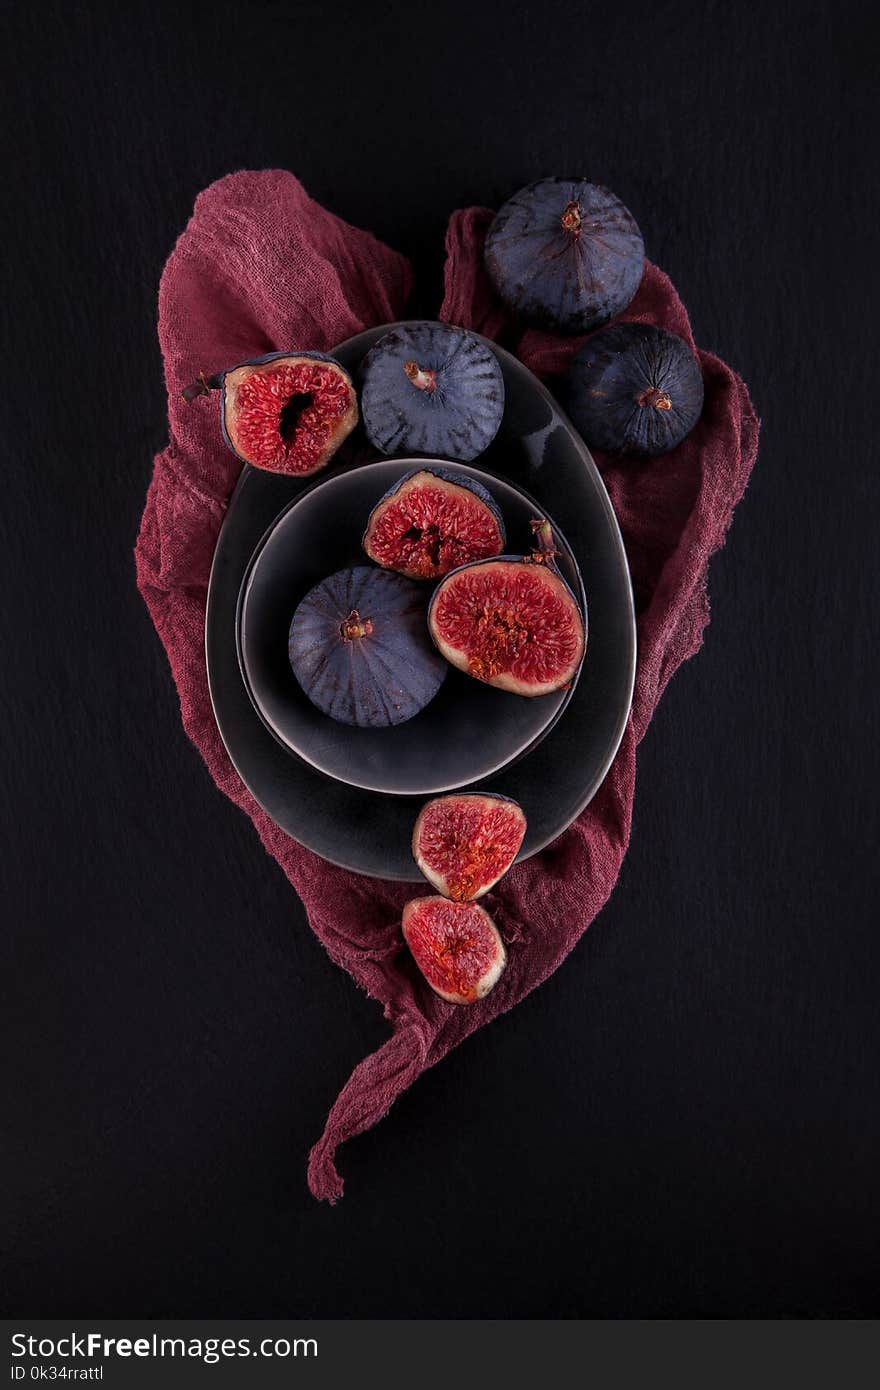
262,267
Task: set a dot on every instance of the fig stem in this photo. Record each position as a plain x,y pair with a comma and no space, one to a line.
202,386
546,552
424,379
571,217
658,399
354,627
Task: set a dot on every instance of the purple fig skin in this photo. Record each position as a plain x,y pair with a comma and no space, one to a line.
565,254
431,388
359,649
636,389
456,486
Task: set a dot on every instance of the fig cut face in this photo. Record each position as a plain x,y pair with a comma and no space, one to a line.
464,843
286,412
456,947
432,522
511,622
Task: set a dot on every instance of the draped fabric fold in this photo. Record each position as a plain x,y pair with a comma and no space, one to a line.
262,267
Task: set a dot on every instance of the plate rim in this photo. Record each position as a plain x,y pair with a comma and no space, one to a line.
355,344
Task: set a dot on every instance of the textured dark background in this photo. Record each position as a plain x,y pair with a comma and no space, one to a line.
685,1119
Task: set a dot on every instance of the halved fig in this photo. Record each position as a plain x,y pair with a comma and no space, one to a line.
431,522
287,412
512,622
464,843
456,946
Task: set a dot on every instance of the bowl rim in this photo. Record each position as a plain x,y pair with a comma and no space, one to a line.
409,463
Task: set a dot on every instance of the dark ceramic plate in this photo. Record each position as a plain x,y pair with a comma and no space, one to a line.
468,732
536,449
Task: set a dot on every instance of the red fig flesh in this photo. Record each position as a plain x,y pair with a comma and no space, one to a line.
286,412
464,843
431,522
289,416
512,622
456,946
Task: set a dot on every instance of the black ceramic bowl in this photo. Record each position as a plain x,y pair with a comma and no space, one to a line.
468,732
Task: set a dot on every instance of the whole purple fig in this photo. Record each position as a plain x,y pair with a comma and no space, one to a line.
430,388
359,648
565,254
634,388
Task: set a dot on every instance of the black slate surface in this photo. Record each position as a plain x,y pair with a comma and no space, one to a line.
685,1119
